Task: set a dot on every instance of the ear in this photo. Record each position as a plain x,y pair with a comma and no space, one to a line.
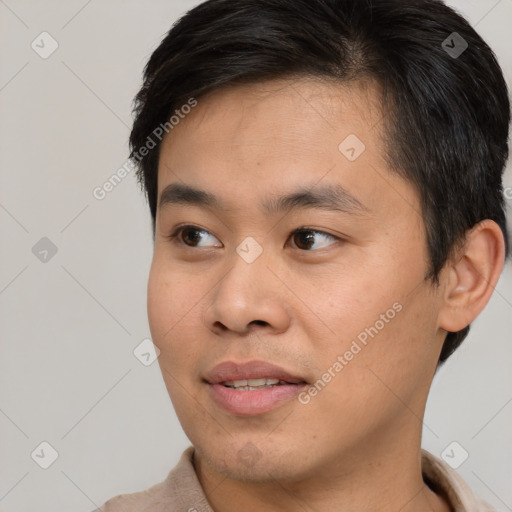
471,276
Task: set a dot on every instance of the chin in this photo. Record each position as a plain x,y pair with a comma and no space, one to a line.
244,461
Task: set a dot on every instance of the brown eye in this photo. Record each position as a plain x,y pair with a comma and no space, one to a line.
305,239
192,236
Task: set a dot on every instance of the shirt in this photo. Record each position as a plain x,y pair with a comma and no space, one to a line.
182,492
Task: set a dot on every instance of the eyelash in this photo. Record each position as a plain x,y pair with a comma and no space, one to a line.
175,236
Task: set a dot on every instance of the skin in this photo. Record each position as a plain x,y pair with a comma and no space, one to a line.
356,444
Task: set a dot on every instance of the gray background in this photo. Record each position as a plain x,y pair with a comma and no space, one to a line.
69,325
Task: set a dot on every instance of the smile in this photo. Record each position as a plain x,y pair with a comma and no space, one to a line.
252,388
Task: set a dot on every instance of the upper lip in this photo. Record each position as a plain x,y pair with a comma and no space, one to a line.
230,371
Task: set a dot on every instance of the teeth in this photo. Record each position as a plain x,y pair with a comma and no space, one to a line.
251,384
237,383
257,382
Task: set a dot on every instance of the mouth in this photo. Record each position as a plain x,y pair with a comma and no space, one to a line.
253,387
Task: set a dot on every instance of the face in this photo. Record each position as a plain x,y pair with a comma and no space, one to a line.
323,293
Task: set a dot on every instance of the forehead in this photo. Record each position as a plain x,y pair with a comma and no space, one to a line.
283,111
248,140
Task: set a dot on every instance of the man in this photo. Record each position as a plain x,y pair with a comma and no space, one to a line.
324,178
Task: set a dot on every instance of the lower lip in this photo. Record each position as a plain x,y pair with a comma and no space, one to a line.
254,402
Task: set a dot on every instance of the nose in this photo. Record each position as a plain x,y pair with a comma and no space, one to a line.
249,299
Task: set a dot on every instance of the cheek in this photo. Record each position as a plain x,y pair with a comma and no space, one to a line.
175,317
384,320
386,361
158,302
168,304
357,299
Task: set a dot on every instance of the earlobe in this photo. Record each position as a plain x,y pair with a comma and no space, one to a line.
472,275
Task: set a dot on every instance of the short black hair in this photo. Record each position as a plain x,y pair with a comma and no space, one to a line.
444,94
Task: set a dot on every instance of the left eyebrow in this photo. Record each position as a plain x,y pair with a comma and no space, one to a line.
327,197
